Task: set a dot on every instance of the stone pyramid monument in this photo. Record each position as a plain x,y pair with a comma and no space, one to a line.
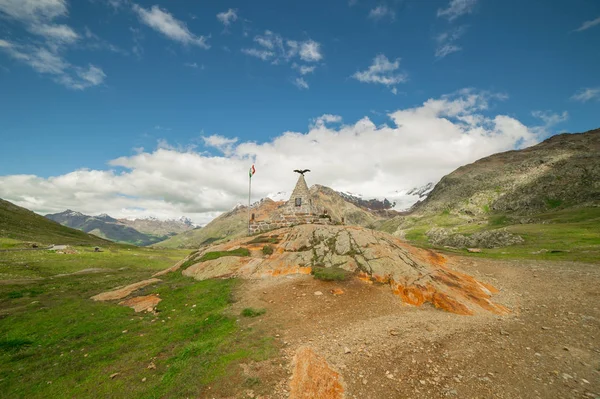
300,202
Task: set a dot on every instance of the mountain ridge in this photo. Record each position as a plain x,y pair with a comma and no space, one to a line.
137,232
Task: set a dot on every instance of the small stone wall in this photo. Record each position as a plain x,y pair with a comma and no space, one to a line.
261,226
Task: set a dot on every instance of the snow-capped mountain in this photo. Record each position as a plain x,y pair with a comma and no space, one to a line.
406,198
279,196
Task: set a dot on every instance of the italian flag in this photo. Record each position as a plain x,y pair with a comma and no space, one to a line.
252,171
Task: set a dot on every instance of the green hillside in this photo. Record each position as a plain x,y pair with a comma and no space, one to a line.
19,224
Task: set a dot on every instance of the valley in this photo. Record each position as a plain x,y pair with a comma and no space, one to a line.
469,294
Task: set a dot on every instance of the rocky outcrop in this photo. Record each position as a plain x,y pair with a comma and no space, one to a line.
483,239
417,276
122,292
141,303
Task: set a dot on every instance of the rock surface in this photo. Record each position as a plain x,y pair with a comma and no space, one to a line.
483,239
141,303
416,275
121,293
313,377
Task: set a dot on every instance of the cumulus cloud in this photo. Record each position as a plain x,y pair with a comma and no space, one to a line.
421,144
223,144
382,11
227,17
163,22
382,71
588,24
456,8
587,94
325,118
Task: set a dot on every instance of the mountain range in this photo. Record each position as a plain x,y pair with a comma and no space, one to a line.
139,232
555,181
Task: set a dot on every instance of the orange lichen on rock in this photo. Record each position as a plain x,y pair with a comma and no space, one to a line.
286,270
364,277
443,301
313,377
141,303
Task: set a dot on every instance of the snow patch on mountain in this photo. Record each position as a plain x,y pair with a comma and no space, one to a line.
279,196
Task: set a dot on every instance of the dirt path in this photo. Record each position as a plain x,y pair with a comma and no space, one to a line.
548,347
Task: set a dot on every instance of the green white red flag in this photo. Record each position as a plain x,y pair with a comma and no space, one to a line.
252,171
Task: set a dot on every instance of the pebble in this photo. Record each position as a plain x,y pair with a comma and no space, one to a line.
346,350
318,293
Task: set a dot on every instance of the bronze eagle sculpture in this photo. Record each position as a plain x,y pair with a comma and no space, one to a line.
302,172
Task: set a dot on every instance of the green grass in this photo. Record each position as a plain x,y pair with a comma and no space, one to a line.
43,263
219,254
571,234
20,224
56,342
267,250
330,273
251,312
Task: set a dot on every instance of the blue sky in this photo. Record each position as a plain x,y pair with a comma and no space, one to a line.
87,82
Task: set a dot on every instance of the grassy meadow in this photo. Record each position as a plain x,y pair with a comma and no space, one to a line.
56,342
571,234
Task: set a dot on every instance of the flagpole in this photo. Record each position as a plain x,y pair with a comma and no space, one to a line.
249,191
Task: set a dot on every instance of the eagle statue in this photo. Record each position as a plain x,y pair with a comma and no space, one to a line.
302,172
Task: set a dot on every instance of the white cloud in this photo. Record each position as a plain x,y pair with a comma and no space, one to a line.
274,47
61,33
48,62
38,16
446,42
304,69
324,119
227,17
300,83
48,57
382,11
310,51
193,65
587,94
165,23
382,71
34,10
588,24
221,143
549,118
421,144
456,8
262,54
